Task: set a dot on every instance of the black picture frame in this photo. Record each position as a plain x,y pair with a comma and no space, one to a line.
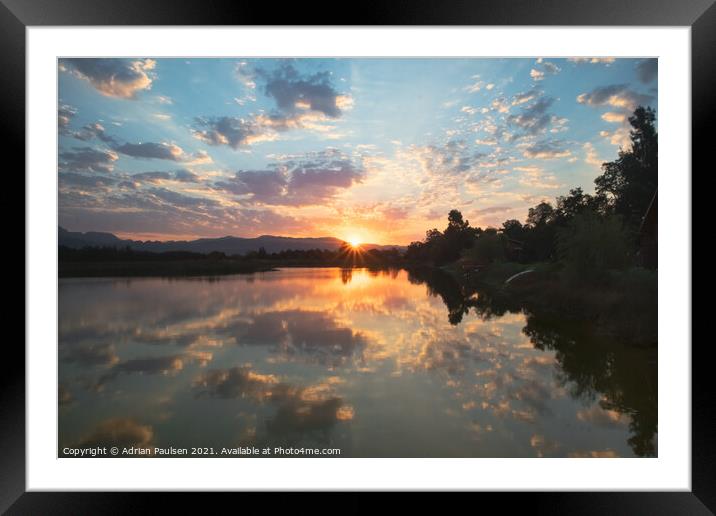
17,15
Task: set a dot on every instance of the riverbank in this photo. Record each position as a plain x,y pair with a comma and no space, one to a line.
173,268
623,306
197,267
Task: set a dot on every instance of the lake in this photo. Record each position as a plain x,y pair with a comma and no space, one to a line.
372,363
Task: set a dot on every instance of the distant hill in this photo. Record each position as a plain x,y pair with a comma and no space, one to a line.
227,244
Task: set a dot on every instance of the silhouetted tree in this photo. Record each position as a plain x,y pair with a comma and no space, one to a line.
630,181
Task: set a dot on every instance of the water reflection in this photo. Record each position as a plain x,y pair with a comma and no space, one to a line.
364,360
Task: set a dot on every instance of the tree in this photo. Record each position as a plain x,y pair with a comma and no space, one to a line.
630,181
591,245
540,215
512,228
456,223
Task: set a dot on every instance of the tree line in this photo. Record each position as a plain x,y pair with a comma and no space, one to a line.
589,233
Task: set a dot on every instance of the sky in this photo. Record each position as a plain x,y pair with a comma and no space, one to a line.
374,150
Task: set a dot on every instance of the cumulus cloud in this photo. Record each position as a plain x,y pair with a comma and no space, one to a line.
547,149
302,102
543,68
619,137
550,67
454,157
87,159
293,91
112,77
162,365
591,156
536,178
616,95
185,176
88,353
610,116
313,179
122,432
524,97
150,150
163,151
245,75
233,131
534,118
299,409
85,181
537,75
158,177
647,70
65,114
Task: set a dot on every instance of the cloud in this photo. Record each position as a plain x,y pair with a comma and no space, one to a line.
185,176
245,75
544,68
314,336
154,365
610,116
522,98
534,118
262,185
121,78
235,382
647,70
591,156
535,177
233,131
617,95
454,157
547,149
478,85
314,408
88,353
550,68
294,92
149,150
85,181
91,131
140,207
179,199
87,159
163,151
537,75
239,132
602,417
619,137
302,102
122,432
313,179
65,114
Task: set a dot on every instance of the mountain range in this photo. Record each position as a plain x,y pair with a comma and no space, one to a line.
228,244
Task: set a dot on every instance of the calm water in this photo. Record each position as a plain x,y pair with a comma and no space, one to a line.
378,364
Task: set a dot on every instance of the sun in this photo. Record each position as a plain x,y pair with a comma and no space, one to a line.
354,241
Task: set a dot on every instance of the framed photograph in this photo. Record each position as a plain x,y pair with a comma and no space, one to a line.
418,253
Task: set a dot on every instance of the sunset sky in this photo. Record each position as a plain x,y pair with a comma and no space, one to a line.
376,150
